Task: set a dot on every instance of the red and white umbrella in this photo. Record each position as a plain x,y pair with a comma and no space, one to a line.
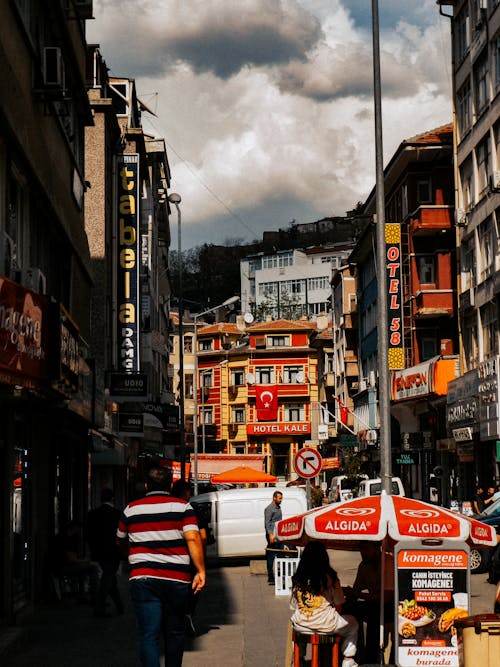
345,525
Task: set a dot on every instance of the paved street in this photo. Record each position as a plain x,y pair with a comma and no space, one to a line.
240,623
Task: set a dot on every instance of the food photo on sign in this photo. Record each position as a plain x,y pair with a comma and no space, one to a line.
432,592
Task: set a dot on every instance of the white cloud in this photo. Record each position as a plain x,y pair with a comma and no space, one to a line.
289,118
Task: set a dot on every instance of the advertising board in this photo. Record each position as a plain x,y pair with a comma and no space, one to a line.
432,591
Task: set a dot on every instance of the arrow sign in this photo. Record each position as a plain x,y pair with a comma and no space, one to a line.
307,462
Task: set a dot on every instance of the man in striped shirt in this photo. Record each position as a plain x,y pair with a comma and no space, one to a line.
162,536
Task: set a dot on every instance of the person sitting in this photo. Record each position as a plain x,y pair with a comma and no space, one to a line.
65,561
316,596
363,599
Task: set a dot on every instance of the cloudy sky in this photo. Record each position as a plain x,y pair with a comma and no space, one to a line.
267,105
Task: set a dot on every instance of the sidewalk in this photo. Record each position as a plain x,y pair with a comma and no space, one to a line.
239,621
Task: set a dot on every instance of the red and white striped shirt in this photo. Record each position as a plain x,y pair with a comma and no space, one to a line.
155,526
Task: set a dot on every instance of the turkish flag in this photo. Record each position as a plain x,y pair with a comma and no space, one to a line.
344,411
266,402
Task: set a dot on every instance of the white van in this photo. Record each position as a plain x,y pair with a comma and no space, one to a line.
236,517
373,487
341,488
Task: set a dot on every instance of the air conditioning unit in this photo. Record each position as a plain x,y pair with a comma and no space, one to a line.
460,217
84,8
53,67
33,279
495,181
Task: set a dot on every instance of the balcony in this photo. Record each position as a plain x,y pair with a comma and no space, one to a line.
431,218
433,303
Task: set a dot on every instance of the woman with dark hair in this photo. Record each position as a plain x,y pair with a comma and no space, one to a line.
316,591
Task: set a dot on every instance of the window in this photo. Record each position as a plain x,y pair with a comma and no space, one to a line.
464,109
467,181
481,84
320,282
293,374
329,362
278,341
277,261
483,159
207,415
206,378
470,342
467,253
188,344
255,264
268,289
317,308
429,348
424,194
188,385
238,415
205,345
497,63
426,269
462,33
14,223
293,286
485,236
294,412
237,377
264,374
489,328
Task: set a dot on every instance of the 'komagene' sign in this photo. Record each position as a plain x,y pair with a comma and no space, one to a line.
127,260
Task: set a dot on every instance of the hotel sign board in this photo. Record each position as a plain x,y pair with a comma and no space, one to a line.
289,428
127,260
396,355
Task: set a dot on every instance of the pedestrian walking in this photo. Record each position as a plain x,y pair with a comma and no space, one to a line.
478,502
102,523
182,489
162,537
272,514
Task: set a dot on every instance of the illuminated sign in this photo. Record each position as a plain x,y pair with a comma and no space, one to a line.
127,263
394,301
293,428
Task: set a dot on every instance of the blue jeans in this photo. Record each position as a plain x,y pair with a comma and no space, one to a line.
160,608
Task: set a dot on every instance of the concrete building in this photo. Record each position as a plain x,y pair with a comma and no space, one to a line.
45,289
290,284
473,405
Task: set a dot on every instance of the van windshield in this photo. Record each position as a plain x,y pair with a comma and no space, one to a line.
376,489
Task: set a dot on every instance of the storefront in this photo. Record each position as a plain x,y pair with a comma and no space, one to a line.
279,442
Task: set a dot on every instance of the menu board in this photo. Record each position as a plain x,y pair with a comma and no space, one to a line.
432,591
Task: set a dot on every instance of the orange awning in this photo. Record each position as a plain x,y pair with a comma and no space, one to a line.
243,475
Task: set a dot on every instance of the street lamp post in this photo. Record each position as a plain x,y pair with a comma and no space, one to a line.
227,302
175,199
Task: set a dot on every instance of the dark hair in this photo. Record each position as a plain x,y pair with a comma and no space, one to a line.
314,572
158,479
179,487
107,495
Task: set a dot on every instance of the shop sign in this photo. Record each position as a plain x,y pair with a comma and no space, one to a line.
394,297
279,429
498,449
167,415
462,434
127,252
406,460
331,462
24,335
128,386
322,431
488,390
131,424
437,580
348,440
410,382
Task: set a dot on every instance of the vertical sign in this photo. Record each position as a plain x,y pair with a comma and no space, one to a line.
432,591
127,263
489,396
394,300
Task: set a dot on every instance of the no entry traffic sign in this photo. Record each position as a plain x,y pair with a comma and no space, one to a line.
307,462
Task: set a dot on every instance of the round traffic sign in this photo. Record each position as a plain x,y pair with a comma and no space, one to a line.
307,462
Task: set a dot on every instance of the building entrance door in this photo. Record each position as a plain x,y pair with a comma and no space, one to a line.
280,461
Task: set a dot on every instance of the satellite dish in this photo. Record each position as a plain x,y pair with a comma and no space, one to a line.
300,377
250,378
248,317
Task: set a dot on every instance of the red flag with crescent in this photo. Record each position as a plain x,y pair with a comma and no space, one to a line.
266,402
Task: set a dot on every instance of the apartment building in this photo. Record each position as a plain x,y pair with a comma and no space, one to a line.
419,202
473,401
290,284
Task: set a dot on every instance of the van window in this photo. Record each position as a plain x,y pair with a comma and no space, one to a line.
376,488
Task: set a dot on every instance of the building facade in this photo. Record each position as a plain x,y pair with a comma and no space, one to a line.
473,402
